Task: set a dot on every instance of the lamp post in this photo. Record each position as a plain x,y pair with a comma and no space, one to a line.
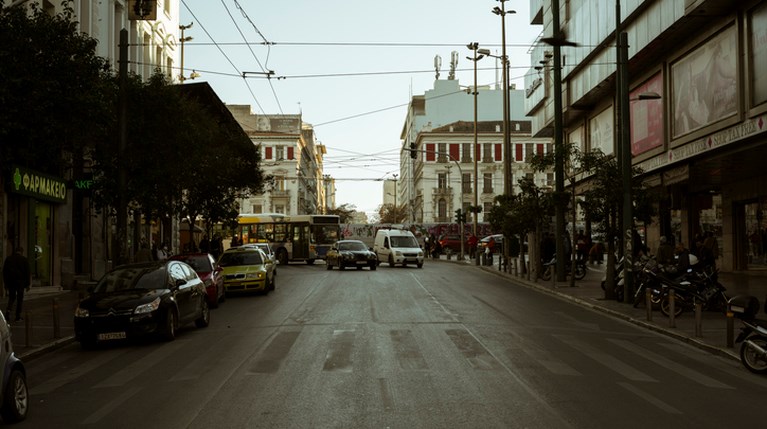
507,176
557,41
474,46
183,40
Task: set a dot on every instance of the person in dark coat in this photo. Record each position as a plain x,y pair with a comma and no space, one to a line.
17,279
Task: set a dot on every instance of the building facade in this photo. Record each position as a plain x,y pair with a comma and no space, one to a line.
292,158
51,217
438,177
701,144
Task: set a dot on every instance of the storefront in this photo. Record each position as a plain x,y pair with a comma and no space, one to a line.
32,202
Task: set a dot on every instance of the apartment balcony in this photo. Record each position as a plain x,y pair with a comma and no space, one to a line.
280,193
487,190
442,192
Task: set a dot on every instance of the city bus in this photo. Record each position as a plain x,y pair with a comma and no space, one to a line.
293,238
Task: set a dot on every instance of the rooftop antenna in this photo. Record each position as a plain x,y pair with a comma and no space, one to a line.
437,65
453,65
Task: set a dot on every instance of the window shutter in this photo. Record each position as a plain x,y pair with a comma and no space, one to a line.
290,152
430,155
498,152
268,153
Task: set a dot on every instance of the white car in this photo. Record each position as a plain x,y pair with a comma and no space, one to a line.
14,397
266,248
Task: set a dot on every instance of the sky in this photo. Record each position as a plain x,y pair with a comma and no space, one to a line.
350,68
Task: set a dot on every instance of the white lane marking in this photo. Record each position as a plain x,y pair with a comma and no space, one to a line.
649,398
74,373
133,370
108,408
605,359
671,365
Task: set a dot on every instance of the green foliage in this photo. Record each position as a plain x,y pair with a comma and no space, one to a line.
56,97
389,213
60,114
345,212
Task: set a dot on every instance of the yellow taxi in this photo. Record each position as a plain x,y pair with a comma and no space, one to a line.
246,269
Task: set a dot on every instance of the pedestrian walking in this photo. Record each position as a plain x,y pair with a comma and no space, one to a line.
472,245
17,279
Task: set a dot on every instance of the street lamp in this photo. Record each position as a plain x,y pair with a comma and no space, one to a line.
507,176
474,46
557,41
183,40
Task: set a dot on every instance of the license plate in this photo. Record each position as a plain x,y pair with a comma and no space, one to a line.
111,336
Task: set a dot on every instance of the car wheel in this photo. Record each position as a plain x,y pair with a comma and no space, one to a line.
169,330
340,265
419,265
310,261
15,398
329,265
373,267
222,297
215,302
274,282
204,320
391,260
88,343
359,267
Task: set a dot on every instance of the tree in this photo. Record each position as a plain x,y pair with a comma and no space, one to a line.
56,97
345,212
389,213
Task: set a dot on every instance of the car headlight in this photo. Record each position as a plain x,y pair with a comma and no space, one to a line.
397,253
81,312
148,308
258,275
420,254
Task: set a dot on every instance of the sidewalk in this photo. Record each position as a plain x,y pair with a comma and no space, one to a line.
40,331
588,292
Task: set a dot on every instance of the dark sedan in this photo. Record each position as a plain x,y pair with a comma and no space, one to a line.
351,253
210,274
151,298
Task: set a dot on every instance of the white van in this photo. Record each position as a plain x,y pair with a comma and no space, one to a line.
397,246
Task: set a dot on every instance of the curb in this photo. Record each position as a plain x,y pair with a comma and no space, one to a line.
39,351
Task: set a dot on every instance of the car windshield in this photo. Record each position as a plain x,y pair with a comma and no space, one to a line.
231,259
133,278
403,241
352,245
265,248
200,264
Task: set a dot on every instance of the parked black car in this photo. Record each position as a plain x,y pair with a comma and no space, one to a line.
151,298
351,253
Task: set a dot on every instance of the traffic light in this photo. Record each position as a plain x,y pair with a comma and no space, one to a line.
412,151
460,216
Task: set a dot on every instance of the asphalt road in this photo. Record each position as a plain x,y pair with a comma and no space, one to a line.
446,346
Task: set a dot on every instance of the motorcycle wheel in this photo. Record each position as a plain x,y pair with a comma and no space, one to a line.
546,275
580,272
664,306
752,359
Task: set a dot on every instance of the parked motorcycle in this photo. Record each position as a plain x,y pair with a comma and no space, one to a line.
550,267
753,334
693,286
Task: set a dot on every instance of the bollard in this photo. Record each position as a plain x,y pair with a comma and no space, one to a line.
56,319
28,329
730,329
671,309
698,319
648,302
476,258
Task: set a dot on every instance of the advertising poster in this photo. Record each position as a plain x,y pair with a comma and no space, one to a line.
705,84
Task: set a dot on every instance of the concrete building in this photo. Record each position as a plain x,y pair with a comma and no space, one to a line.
439,179
291,155
701,146
61,232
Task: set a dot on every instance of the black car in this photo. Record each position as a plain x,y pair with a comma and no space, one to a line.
151,298
351,253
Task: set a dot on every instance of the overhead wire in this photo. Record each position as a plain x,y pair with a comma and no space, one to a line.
263,68
224,54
